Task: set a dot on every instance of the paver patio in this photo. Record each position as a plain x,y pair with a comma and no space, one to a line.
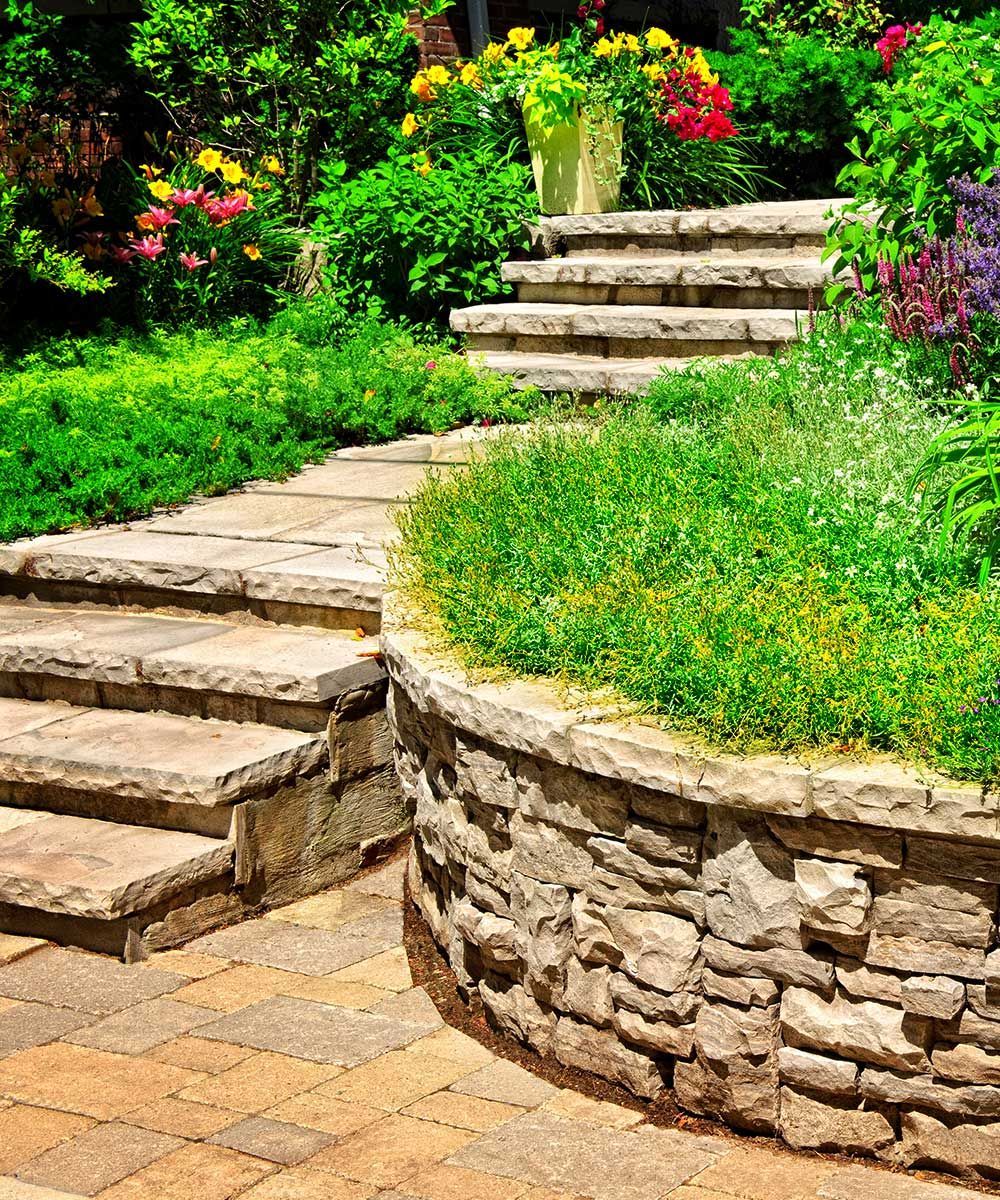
210,1072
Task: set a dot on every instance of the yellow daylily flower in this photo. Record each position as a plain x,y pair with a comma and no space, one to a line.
409,126
438,76
470,75
232,172
252,252
632,44
209,159
520,37
494,52
271,165
160,189
603,48
659,39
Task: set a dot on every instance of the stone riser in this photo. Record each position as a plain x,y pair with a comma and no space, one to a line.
694,244
70,593
618,347
683,296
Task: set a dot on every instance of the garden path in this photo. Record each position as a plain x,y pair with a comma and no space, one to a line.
285,1059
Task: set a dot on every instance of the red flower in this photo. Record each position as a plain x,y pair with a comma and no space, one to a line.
894,41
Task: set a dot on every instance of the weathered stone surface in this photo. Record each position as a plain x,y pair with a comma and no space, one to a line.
963,860
599,1050
562,796
928,1142
984,1000
616,857
869,982
484,895
659,809
970,1027
798,967
679,1008
863,844
496,937
659,842
897,918
932,995
587,993
654,948
749,883
548,854
832,897
543,915
937,892
657,1036
860,1029
925,957
518,1013
816,1072
729,1035
739,989
965,1063
767,784
608,888
485,773
811,1124
970,1100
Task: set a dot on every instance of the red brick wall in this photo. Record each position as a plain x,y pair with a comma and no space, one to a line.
445,38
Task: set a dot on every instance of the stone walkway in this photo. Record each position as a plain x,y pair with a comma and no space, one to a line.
291,1058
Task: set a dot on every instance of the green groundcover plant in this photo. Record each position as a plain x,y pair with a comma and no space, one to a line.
741,554
96,429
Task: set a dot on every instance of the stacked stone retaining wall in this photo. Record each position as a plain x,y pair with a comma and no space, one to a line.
803,952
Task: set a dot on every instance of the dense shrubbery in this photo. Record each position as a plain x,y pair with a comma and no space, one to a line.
102,429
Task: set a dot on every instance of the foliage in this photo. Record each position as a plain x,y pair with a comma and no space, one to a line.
740,555
938,118
107,429
294,78
836,24
798,96
422,241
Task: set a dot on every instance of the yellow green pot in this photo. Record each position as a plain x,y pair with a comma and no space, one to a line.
577,164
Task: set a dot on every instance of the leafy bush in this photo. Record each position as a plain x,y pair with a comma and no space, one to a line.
95,430
422,241
799,96
741,555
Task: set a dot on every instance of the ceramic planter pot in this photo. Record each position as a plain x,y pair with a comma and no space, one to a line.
577,164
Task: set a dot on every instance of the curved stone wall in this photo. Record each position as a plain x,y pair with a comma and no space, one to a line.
806,952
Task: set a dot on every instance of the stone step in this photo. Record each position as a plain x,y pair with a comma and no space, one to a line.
145,768
697,280
246,565
792,225
579,373
193,666
625,331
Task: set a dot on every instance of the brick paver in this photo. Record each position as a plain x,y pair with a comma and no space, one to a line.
255,1064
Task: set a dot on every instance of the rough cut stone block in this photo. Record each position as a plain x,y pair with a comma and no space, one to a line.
657,1036
485,773
608,888
543,915
496,937
932,995
484,895
798,967
939,856
816,1072
517,1013
859,980
832,897
679,1008
811,1124
858,1029
936,892
970,1027
547,853
657,808
566,797
965,1063
587,993
615,856
768,784
984,1000
654,948
925,957
667,845
729,1035
863,844
928,1142
897,918
970,1100
599,1050
739,989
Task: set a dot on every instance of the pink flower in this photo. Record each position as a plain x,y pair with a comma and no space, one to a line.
192,261
894,41
121,254
149,247
185,196
160,218
224,208
213,256
430,365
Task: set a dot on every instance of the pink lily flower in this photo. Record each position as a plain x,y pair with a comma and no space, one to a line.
160,218
192,261
121,254
185,196
149,247
225,208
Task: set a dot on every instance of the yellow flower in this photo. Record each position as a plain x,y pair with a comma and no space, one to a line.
160,189
603,48
520,38
421,88
659,39
470,76
422,164
209,159
494,52
91,205
653,71
632,44
150,171
232,172
409,126
271,165
438,76
252,252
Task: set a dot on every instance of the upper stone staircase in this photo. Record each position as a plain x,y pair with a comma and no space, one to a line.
622,296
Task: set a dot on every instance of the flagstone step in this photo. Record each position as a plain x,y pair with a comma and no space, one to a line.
625,331
709,279
579,374
150,769
193,666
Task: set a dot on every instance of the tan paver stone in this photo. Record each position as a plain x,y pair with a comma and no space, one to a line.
98,1158
257,516
298,948
277,1141
862,1183
413,1006
304,1183
467,1112
136,1030
387,881
599,1112
183,1118
394,1080
319,1111
87,982
7,1004
592,1160
391,1151
14,1189
763,1175
199,1054
540,1193
28,1024
690,1192
508,1083
13,948
327,990
259,1082
455,1046
319,1032
195,1171
26,1132
353,480
329,910
183,962
458,1183
92,1082
389,969
235,988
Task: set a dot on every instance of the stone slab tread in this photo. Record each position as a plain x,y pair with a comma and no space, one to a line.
580,372
796,218
678,269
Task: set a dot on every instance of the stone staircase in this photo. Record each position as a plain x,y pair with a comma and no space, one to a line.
622,296
192,708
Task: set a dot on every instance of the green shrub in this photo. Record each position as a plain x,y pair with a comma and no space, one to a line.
741,555
97,430
799,97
